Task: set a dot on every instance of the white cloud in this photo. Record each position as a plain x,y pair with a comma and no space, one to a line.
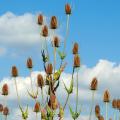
108,74
2,51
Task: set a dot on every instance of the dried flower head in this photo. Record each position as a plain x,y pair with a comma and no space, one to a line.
114,103
100,117
53,23
75,48
29,63
45,31
68,9
97,110
94,84
49,68
5,111
106,97
14,71
5,89
1,107
40,19
37,107
56,41
76,61
118,104
40,81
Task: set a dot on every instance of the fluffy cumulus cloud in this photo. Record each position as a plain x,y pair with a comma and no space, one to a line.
107,73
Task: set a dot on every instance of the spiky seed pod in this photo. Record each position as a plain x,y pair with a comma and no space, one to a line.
14,71
49,68
100,117
118,104
94,84
40,81
97,110
53,23
1,108
75,48
5,90
40,19
45,31
5,111
106,97
114,103
76,61
68,9
29,63
37,107
56,41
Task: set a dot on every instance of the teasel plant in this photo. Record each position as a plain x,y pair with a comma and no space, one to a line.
1,110
14,73
93,88
106,100
97,111
114,106
118,107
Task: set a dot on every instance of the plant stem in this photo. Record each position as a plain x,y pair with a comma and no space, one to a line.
46,46
42,95
106,110
36,117
93,92
119,114
31,79
66,101
67,29
115,115
54,58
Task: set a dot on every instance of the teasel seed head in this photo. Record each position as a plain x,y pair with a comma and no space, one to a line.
40,19
29,63
45,31
97,110
100,117
94,84
40,81
49,68
114,103
5,90
56,41
118,104
76,61
5,111
37,107
106,97
53,23
14,71
1,108
75,48
68,9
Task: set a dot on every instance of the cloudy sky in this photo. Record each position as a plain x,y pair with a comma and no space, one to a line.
93,24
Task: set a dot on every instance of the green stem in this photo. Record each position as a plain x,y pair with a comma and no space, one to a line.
66,101
46,46
92,104
106,110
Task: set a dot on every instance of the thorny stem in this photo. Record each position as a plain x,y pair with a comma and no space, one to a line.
67,30
106,110
93,93
66,101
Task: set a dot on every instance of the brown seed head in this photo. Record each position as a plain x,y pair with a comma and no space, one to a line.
97,110
56,41
5,111
14,71
37,107
68,9
118,104
75,48
1,107
53,23
100,117
114,103
29,63
5,89
49,68
106,97
40,81
76,61
40,19
94,84
45,31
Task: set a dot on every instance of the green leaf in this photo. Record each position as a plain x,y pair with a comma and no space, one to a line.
62,55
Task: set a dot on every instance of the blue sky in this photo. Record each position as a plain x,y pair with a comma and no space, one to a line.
95,24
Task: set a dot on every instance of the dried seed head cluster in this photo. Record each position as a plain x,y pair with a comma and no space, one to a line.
76,61
68,9
5,89
1,108
53,23
56,41
114,103
37,107
118,104
29,63
106,97
49,68
100,117
75,48
14,71
94,84
40,81
6,111
45,31
97,111
40,19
